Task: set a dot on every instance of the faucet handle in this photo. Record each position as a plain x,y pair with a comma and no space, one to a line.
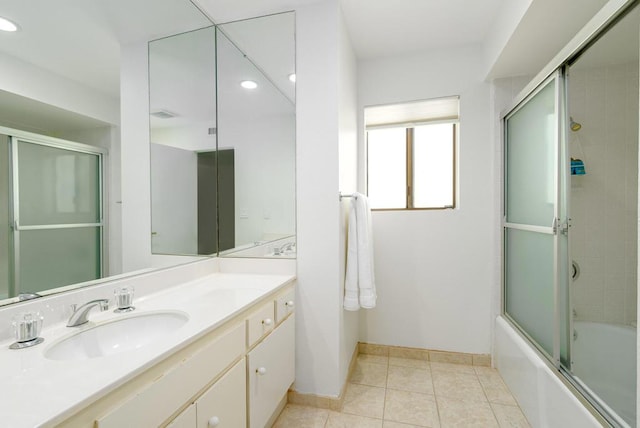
124,298
27,327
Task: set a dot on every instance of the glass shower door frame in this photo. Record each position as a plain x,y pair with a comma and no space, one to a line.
559,224
15,226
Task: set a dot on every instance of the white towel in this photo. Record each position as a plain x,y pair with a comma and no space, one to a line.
360,287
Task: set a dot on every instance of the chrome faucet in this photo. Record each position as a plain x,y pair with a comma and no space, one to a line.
79,315
287,246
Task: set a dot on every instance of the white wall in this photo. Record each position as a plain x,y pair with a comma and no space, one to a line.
136,195
32,82
318,222
174,200
435,269
264,155
504,25
348,169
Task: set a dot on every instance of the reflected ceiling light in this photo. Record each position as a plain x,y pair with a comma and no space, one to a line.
292,77
6,25
248,84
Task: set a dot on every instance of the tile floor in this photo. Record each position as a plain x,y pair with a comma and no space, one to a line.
389,392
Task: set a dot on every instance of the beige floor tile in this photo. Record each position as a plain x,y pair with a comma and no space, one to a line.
408,362
465,414
486,372
375,359
391,424
448,367
410,379
460,386
370,374
294,416
343,420
364,400
494,387
510,416
499,394
411,408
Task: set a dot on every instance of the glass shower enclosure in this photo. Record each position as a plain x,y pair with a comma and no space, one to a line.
570,219
52,214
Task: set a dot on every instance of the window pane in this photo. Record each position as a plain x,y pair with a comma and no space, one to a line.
433,149
387,166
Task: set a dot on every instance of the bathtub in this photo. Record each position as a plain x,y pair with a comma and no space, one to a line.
604,359
542,396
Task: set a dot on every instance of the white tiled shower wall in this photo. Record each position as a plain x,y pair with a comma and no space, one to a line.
604,201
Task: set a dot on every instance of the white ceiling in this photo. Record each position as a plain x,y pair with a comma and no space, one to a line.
386,28
80,39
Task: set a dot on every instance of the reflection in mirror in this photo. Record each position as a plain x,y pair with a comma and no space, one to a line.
264,151
182,105
60,207
231,189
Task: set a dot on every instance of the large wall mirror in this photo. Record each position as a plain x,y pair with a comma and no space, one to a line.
61,151
223,123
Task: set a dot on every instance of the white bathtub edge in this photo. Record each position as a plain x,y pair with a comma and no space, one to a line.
543,398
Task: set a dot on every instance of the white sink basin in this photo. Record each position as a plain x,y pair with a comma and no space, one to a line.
119,335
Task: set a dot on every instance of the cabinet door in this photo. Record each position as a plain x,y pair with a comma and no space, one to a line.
224,404
271,371
186,419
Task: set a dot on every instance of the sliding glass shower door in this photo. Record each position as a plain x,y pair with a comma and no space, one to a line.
57,223
535,219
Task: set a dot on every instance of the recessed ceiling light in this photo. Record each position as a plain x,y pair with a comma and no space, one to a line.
248,84
6,25
292,77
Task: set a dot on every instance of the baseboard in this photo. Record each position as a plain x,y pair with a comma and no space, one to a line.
324,402
425,354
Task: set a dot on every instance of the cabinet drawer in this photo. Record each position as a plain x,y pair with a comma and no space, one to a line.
284,305
186,419
155,403
270,372
260,323
224,404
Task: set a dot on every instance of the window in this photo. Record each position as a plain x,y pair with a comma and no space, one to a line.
411,154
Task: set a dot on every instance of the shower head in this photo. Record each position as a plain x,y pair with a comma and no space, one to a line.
575,126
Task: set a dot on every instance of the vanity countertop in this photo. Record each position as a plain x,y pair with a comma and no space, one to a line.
37,391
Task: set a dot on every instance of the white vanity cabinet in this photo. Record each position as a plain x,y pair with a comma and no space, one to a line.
271,371
285,303
186,419
235,376
224,404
